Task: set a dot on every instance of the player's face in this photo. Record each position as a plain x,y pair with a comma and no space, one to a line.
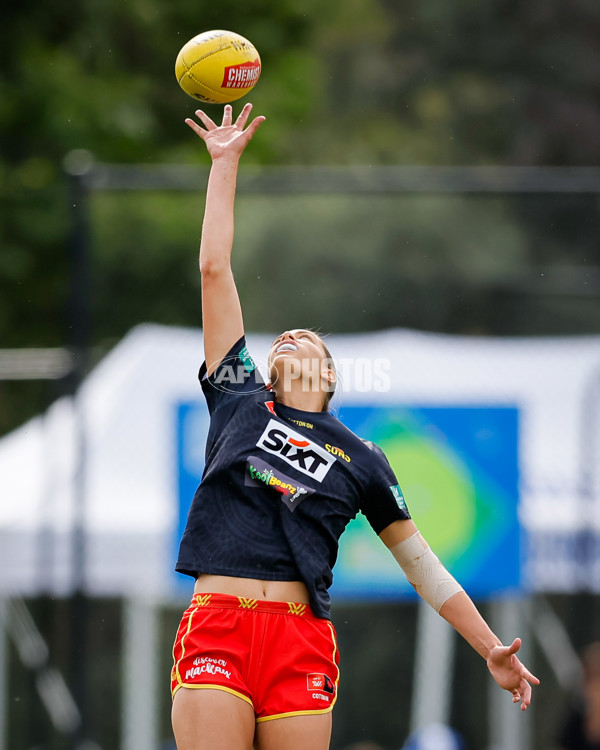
297,353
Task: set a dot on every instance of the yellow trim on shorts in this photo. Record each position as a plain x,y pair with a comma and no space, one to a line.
335,650
214,687
296,609
298,713
315,711
245,603
183,637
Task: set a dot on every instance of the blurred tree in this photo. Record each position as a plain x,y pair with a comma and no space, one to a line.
359,81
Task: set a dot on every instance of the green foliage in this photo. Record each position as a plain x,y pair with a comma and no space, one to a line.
352,82
317,261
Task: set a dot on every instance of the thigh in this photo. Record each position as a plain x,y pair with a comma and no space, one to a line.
294,733
206,719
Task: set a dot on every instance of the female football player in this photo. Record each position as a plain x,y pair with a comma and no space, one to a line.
255,657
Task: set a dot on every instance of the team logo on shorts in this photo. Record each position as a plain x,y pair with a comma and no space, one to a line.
321,683
296,450
260,473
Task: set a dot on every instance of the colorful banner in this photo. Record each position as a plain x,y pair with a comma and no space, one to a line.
458,469
192,428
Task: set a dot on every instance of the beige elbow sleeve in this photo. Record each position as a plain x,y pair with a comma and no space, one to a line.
425,572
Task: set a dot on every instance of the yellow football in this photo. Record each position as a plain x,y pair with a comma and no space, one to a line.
217,67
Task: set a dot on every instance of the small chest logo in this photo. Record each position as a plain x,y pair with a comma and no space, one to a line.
260,473
296,450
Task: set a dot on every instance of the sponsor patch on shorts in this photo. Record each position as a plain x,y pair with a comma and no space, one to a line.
208,665
318,682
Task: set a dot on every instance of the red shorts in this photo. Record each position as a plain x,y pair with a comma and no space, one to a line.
276,656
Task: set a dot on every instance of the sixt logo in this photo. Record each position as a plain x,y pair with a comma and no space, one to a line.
296,450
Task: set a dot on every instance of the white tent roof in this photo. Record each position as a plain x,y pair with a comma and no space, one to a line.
125,409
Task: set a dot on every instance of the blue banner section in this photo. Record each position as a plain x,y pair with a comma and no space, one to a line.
192,422
458,470
457,467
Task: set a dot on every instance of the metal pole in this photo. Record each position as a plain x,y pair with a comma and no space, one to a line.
140,674
588,543
510,728
78,165
434,661
3,674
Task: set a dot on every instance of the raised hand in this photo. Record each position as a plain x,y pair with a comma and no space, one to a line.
229,138
511,674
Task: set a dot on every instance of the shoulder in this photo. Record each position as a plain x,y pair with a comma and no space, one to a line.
366,452
378,460
347,437
374,450
235,376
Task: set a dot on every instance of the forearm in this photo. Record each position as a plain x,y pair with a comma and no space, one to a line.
218,224
436,586
460,612
439,589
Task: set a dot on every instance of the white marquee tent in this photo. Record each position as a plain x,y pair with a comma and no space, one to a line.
125,408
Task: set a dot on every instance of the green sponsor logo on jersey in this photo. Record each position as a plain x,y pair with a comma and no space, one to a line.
247,360
397,493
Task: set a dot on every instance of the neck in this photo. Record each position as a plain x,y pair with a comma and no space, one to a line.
303,400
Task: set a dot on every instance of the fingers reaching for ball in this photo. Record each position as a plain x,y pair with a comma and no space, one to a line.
243,116
227,115
227,138
254,125
209,124
195,127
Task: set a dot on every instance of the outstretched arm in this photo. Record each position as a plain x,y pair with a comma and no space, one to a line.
222,320
434,584
501,660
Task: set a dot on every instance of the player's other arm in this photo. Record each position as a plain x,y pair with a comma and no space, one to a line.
439,589
222,320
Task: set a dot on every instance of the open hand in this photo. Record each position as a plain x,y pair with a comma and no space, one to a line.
227,139
511,674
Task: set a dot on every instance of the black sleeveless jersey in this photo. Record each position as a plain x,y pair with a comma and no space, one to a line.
279,486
